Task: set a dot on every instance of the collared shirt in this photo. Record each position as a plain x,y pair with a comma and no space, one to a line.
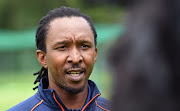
48,100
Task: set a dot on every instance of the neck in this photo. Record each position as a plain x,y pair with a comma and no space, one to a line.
71,101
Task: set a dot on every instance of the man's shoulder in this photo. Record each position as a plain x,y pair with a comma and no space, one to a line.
103,103
103,100
28,104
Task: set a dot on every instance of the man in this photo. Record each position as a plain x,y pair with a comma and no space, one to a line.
66,49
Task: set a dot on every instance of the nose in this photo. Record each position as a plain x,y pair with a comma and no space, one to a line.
75,56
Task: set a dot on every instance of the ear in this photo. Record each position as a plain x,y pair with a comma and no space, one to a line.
96,53
41,56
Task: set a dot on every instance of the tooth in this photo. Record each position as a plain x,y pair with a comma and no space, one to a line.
74,74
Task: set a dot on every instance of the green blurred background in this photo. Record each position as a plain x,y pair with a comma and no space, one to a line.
18,22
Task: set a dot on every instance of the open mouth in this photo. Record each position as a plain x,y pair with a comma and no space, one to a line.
75,74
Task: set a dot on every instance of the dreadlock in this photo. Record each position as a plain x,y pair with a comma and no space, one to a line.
43,27
42,73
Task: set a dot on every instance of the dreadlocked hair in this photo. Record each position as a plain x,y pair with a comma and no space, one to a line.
42,73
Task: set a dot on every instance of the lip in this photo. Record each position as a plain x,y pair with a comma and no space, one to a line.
75,77
75,70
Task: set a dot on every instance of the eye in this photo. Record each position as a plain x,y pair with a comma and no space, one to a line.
62,47
85,46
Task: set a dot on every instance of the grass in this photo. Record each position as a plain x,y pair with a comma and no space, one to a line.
17,86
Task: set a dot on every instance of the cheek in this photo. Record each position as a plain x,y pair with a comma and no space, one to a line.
89,61
55,62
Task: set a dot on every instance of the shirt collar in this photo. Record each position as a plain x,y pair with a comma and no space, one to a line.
47,94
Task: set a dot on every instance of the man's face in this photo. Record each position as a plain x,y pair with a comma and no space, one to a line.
70,53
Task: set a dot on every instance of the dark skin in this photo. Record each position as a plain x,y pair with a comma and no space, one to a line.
71,100
69,42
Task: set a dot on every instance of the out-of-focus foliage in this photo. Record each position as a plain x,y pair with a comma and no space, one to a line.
23,14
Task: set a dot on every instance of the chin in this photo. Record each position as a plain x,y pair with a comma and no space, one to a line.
74,90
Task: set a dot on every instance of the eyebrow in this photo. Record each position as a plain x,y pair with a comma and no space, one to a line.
84,41
70,41
63,42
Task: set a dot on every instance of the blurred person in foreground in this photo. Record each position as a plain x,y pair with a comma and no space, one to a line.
66,49
146,60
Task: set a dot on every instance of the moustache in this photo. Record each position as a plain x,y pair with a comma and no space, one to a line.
77,66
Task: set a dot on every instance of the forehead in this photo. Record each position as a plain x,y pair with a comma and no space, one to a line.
69,28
